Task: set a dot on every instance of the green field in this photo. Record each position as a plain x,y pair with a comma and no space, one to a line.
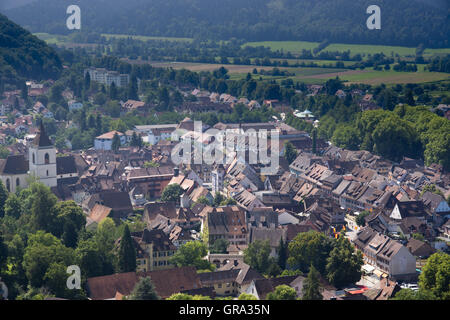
318,62
430,52
392,77
60,39
297,46
51,38
292,46
369,49
145,38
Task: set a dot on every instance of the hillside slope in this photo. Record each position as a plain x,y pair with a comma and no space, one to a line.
24,55
404,22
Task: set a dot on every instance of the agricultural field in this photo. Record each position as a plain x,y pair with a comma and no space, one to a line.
318,62
316,75
51,38
297,46
392,77
292,46
145,38
370,49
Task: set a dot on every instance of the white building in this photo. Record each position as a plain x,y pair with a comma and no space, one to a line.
156,133
106,77
42,164
104,142
42,159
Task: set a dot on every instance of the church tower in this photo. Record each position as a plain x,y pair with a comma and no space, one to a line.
42,159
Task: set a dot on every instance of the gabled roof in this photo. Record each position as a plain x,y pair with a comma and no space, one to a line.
152,209
14,165
66,165
166,282
99,213
160,240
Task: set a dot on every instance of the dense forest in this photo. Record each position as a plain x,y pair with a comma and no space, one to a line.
407,23
24,55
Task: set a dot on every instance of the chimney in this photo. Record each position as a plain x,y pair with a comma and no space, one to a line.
176,171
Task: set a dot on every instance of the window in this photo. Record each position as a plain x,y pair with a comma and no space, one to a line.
8,187
17,182
47,159
47,173
34,158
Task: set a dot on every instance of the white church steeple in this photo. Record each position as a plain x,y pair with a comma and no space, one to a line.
42,159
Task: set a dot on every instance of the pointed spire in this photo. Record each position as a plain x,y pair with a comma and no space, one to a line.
41,139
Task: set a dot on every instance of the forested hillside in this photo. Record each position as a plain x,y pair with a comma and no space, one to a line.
403,22
24,55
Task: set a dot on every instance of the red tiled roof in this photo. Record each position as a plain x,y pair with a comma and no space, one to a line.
166,282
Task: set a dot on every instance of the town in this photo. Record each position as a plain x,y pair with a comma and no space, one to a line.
158,176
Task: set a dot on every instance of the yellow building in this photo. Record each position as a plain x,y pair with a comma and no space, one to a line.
154,250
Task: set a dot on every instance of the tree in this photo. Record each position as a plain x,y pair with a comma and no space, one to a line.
282,292
311,286
13,206
192,254
309,248
409,98
43,215
104,238
246,296
435,275
431,188
3,254
136,141
91,260
172,193
185,296
290,152
43,250
144,290
70,221
115,145
220,246
87,81
314,141
3,197
344,264
346,137
418,236
409,294
203,200
361,218
395,138
273,269
113,91
132,92
288,272
127,252
180,296
257,255
282,254
55,279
